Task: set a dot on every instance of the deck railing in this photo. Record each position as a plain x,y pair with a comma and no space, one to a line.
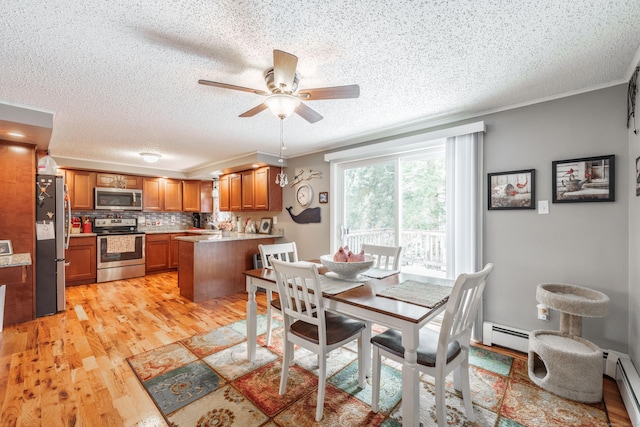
420,248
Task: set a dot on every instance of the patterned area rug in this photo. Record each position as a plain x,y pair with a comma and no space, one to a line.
206,380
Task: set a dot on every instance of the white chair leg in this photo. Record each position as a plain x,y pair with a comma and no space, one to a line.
466,390
375,382
286,362
269,317
441,408
361,362
322,382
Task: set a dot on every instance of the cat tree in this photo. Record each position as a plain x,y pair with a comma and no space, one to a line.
563,362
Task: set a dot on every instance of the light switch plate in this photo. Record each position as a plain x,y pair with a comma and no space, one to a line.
543,207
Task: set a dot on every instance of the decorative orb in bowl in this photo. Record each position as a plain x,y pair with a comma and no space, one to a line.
347,270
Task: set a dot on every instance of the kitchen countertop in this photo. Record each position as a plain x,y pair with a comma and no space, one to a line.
217,237
15,260
83,234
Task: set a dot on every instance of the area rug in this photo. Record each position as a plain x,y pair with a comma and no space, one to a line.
206,380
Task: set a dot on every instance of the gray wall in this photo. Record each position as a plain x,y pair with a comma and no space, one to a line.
634,245
584,244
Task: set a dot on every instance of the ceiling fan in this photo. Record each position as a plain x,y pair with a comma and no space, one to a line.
282,83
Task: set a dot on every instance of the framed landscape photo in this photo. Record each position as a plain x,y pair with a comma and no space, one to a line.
5,247
265,226
512,190
589,179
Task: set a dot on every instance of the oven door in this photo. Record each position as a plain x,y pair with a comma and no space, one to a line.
119,250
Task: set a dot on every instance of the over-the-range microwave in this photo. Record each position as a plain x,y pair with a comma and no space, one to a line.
118,199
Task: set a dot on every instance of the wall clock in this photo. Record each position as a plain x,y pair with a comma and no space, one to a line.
304,195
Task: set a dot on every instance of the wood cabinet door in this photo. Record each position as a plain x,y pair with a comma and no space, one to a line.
81,260
261,183
224,194
80,185
206,197
173,250
118,181
247,190
235,192
153,194
173,195
191,196
157,252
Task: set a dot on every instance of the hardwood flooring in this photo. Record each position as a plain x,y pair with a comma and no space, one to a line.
70,369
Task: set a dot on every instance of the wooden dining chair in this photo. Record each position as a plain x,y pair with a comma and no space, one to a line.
439,353
284,252
315,329
387,257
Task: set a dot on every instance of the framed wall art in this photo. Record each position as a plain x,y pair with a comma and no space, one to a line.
323,197
589,179
5,247
265,226
638,176
512,190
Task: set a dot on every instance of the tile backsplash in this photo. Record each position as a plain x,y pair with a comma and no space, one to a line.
156,221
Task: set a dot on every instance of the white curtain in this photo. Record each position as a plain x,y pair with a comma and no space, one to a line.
464,208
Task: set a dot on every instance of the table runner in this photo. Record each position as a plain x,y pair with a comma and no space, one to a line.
419,293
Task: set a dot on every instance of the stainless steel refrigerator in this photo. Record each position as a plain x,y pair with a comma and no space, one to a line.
53,216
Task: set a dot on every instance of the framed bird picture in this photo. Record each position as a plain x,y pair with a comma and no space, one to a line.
590,179
512,190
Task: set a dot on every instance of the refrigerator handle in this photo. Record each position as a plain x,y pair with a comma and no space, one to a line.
67,204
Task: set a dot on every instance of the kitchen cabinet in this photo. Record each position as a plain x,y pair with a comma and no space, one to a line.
81,261
251,190
191,196
206,197
247,190
223,193
80,184
267,194
235,192
157,252
118,181
173,249
161,251
161,195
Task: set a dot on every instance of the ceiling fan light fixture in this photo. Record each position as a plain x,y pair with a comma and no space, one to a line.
282,105
150,157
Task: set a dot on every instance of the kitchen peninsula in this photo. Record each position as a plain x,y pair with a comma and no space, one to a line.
211,266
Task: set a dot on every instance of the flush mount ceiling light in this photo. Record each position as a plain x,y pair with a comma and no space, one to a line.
282,105
150,157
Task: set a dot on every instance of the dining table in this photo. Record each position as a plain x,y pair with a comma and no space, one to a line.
373,300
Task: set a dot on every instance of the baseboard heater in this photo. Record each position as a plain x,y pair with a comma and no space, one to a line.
516,339
616,365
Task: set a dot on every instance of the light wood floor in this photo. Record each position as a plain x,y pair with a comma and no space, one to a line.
70,369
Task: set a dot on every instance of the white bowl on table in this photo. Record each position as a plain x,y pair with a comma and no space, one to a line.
347,270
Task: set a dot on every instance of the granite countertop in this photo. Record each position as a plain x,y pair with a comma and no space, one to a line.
83,234
211,238
15,260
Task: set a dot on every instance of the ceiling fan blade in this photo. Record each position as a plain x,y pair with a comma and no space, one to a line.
234,87
284,69
255,110
335,92
307,113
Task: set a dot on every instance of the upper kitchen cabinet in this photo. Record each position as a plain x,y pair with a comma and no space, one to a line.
206,197
118,181
235,192
223,193
251,190
247,190
80,185
191,196
267,194
161,195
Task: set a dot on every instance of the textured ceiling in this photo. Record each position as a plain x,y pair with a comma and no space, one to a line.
121,76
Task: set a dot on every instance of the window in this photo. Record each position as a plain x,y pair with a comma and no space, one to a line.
420,192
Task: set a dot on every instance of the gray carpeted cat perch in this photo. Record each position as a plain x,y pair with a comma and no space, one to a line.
561,361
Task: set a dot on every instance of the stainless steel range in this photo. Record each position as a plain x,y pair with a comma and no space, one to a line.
120,249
